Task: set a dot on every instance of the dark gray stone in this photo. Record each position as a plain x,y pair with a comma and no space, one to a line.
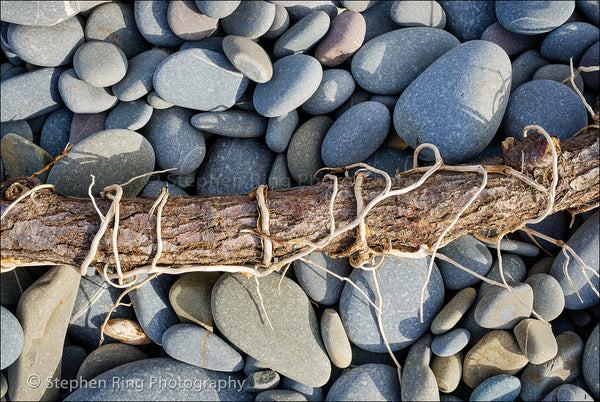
138,80
11,337
524,66
390,160
279,395
501,387
151,20
304,151
251,19
261,381
100,64
548,297
423,14
19,127
231,123
336,87
72,358
14,285
248,57
470,253
56,131
106,357
81,97
378,20
129,115
281,23
374,382
512,43
418,380
498,308
280,130
590,58
303,35
153,188
451,342
591,9
533,17
468,19
217,9
569,41
590,364
22,158
517,247
320,286
279,177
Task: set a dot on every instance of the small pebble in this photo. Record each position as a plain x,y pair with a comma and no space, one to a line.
251,19
19,127
55,131
418,380
138,79
517,247
279,177
558,73
498,308
231,123
451,342
569,41
261,381
126,331
280,130
590,58
85,125
80,97
501,387
345,36
536,340
129,115
100,64
336,87
335,338
418,14
524,66
512,43
248,57
190,298
548,297
22,158
281,23
151,20
319,285
447,371
468,19
453,311
303,35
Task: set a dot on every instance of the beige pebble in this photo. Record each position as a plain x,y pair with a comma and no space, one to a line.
447,371
536,340
190,298
335,339
456,308
126,331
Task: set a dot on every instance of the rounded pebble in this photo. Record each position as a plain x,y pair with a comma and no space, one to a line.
261,381
447,371
107,357
217,9
151,20
536,340
451,342
126,331
279,177
231,123
19,127
252,18
187,22
320,286
190,298
418,380
512,43
129,115
280,130
345,36
468,252
533,17
11,336
468,19
513,268
453,311
138,79
567,392
568,41
55,131
524,66
375,382
335,339
156,101
80,97
500,387
498,308
548,297
303,35
418,14
590,58
517,247
22,158
100,64
248,57
336,87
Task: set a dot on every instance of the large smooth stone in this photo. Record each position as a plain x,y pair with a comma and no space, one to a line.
388,64
100,64
467,88
81,97
138,79
533,17
303,35
231,123
345,36
400,283
468,252
468,19
151,20
585,242
11,338
569,41
295,79
199,79
336,87
590,364
418,14
217,9
252,18
321,286
499,308
112,156
187,22
21,157
42,13
284,334
369,382
107,357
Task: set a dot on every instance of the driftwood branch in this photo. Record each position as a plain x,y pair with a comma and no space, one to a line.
215,229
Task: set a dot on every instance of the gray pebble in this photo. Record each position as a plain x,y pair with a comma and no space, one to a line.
513,268
279,177
470,253
248,57
447,371
548,297
451,342
378,20
536,340
418,380
558,72
517,247
468,19
281,23
19,127
336,87
418,14
498,307
156,101
80,97
11,337
453,311
35,13
190,298
187,22
320,286
231,123
100,64
153,188
22,158
151,20
533,17
251,19
129,115
217,9
570,40
106,357
335,339
567,392
501,387
304,150
303,35
524,66
138,79
261,381
280,130
375,382
56,131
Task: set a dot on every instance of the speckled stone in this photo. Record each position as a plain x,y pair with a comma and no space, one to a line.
22,158
84,125
336,87
304,150
280,130
106,357
418,380
375,382
251,19
498,307
156,101
590,8
217,9
378,20
279,395
345,36
248,57
525,65
533,17
451,342
513,268
190,298
335,339
319,285
231,123
261,381
501,387
418,14
303,35
151,20
468,19
548,297
568,41
19,127
470,253
536,340
138,79
447,371
11,336
590,365
55,131
129,115
590,58
512,43
187,22
453,311
568,392
517,247
80,97
32,13
100,64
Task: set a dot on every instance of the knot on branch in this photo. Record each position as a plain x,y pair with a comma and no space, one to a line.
529,153
12,189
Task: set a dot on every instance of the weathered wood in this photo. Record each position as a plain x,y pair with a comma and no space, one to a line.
208,229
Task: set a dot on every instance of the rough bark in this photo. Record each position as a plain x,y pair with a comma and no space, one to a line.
208,229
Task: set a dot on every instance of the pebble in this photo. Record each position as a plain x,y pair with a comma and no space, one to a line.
502,387
378,20
129,115
55,131
585,243
345,36
162,378
251,19
279,177
388,64
536,340
261,381
590,365
418,380
336,87
548,297
234,166
470,253
418,14
453,311
231,123
107,357
555,226
356,134
400,282
480,72
154,187
85,125
590,58
156,101
153,25
176,142
113,156
533,18
295,79
280,130
192,344
496,353
47,46
512,43
451,342
43,311
335,339
248,57
31,14
567,392
320,286
517,247
22,158
279,395
151,305
304,150
187,22
210,82
19,127
299,9
524,66
468,19
11,337
281,23
590,9
375,382
447,371
81,97
190,298
303,35
568,41
310,393
498,307
126,331
513,268
290,344
31,94
539,379
217,9
138,79
100,64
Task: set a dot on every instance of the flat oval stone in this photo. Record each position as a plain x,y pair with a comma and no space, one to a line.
34,13
231,123
388,64
501,387
19,127
336,87
400,282
112,156
356,134
47,46
151,20
591,78
279,177
11,336
138,79
374,382
22,158
418,14
512,43
335,339
281,23
262,380
197,346
55,131
320,286
280,130
548,297
467,20
303,35
187,22
536,340
100,64
106,357
524,66
447,371
533,17
345,36
590,365
129,115
80,97
498,307
199,79
279,395
295,79
126,331
291,344
248,57
453,311
558,72
251,19
217,9
470,253
568,392
477,77
568,41
517,247
190,298
451,342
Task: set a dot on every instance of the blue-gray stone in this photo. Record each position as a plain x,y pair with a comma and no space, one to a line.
336,87
590,364
280,130
251,19
400,283
498,308
548,297
513,268
233,166
261,381
248,57
81,97
555,226
156,101
423,14
138,80
192,344
39,13
161,379
152,308
106,357
501,387
517,247
151,21
569,41
524,66
549,104
129,115
55,131
11,337
591,9
19,127
390,160
100,64
374,382
295,79
231,123
567,392
590,58
356,134
153,188
199,79
467,88
31,94
586,244
175,141
468,19
418,380
453,311
47,46
22,158
533,17
279,177
311,393
214,43
389,63
451,342
13,72
320,286
558,72
5,46
217,9
303,35
281,23
279,395
378,20
72,358
470,253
